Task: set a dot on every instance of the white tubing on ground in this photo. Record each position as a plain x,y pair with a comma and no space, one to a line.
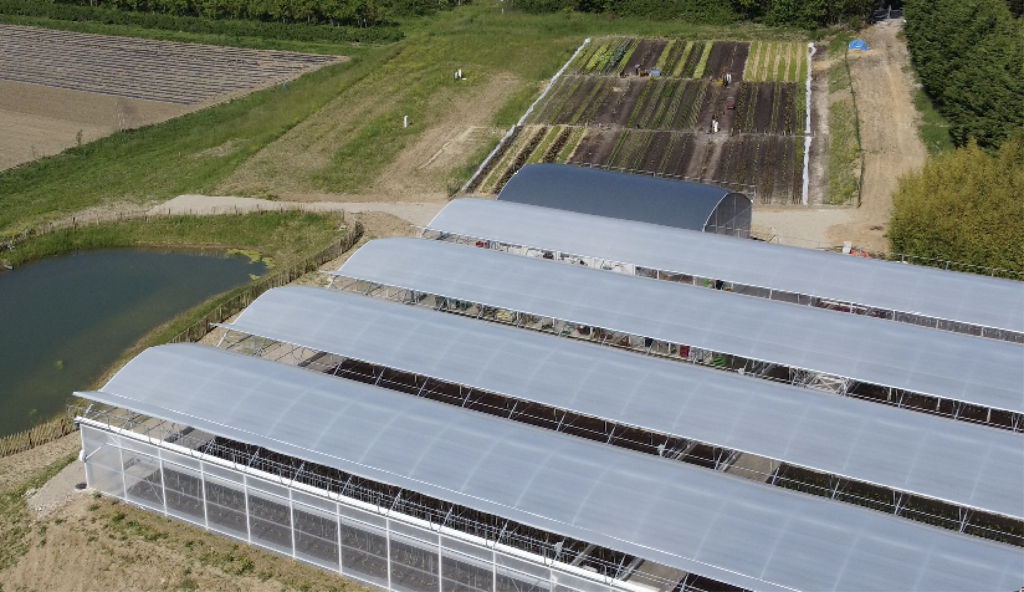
807,129
525,115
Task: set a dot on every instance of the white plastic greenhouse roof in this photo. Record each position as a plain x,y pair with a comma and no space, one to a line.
966,298
732,530
960,367
874,443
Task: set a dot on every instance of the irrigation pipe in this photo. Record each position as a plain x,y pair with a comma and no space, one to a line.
505,138
807,130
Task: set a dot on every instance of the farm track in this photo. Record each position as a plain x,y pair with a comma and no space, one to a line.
662,125
164,71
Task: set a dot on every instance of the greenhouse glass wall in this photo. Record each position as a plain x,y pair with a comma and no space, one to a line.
354,538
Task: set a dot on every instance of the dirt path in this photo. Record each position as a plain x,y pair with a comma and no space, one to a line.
889,138
888,131
202,205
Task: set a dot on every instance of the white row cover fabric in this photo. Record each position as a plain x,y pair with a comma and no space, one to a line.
955,366
927,455
966,298
693,519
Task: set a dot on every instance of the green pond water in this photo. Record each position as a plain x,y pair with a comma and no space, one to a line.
64,321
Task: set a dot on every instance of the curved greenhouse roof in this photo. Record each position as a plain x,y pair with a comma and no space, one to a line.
910,289
840,435
975,370
682,204
689,518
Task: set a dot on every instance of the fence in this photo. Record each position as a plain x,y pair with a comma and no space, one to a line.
37,436
200,328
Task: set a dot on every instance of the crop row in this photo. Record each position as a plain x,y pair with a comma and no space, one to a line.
776,61
768,168
677,58
532,144
769,108
771,164
647,103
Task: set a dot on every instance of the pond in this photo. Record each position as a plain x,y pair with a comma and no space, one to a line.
65,321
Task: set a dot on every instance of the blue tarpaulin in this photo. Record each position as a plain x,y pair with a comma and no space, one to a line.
858,45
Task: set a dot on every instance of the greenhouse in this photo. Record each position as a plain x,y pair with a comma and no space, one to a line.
622,196
960,302
643,403
414,495
960,376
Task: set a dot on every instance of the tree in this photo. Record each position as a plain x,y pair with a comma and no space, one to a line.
969,57
965,206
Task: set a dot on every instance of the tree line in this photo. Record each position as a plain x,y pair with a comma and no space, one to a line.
969,56
191,24
796,13
359,13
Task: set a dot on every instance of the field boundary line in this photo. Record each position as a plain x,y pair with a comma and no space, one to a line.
807,128
529,110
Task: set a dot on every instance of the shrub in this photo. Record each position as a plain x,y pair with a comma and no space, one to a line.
966,206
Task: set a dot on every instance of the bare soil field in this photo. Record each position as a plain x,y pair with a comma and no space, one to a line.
892,147
38,121
59,89
165,71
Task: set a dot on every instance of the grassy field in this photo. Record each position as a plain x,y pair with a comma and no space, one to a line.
933,128
195,153
281,236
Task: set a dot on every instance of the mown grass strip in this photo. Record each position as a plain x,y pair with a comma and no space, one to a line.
843,153
702,64
574,140
750,68
794,63
767,59
538,152
663,58
681,64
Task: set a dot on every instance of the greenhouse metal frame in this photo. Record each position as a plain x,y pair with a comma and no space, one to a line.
470,363
959,376
226,395
951,301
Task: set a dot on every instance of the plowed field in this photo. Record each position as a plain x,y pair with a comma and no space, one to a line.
60,88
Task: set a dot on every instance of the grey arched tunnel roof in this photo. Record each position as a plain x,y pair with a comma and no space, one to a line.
967,298
733,530
681,204
844,436
984,372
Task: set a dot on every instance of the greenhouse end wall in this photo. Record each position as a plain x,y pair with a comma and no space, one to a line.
383,551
